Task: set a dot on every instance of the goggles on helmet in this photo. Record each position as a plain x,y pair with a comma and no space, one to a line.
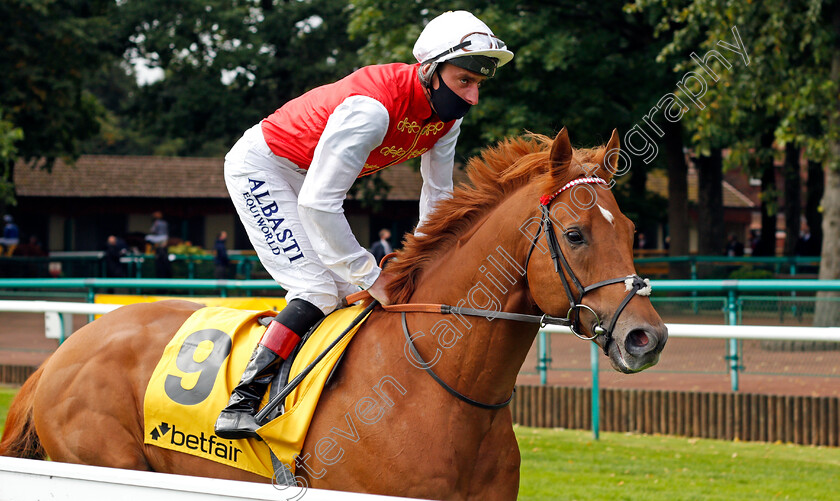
471,42
482,41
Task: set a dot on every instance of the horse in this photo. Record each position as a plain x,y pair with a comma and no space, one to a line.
514,244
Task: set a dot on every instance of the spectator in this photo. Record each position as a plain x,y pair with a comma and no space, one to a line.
32,248
114,251
755,240
159,232
641,242
382,247
734,248
163,267
11,236
158,237
222,261
806,244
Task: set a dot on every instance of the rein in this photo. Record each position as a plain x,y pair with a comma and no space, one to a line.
446,309
453,391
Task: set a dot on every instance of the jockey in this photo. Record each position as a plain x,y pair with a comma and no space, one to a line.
288,177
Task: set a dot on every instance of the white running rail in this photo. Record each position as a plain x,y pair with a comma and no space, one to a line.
58,307
54,309
740,332
58,316
30,479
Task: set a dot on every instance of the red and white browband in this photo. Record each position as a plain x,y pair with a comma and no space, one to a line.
546,199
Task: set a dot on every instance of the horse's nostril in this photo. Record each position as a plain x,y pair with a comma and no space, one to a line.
638,342
640,338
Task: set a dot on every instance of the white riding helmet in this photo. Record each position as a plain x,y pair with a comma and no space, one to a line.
463,40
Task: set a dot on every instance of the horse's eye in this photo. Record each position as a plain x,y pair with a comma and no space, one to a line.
574,237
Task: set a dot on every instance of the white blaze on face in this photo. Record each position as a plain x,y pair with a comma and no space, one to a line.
607,214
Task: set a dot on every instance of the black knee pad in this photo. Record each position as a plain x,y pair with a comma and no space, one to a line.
299,315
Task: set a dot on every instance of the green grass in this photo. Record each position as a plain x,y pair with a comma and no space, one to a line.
569,464
6,396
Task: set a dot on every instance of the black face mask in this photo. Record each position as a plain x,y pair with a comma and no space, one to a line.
448,105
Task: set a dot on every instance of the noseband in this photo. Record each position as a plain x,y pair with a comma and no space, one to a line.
634,284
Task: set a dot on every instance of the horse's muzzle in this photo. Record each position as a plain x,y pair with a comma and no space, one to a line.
638,349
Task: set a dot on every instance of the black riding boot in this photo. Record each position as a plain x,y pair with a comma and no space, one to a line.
283,333
237,419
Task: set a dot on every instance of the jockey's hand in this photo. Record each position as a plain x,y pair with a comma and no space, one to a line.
379,287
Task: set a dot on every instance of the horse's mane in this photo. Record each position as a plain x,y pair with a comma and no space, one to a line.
493,175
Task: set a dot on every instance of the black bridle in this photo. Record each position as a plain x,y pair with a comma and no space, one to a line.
634,285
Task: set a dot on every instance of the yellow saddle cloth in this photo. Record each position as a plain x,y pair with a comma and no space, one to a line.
204,362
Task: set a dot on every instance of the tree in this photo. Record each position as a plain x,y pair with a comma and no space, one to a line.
792,176
710,229
50,48
226,65
769,196
590,68
9,136
814,194
678,220
828,313
789,94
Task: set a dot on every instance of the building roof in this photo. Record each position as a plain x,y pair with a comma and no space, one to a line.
95,176
109,176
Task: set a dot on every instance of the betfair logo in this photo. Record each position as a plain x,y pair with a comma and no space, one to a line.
211,445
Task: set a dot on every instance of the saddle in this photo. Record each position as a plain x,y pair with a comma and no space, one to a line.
281,382
204,361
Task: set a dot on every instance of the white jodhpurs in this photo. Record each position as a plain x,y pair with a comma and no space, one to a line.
264,189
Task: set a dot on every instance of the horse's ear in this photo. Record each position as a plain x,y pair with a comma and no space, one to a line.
610,159
561,154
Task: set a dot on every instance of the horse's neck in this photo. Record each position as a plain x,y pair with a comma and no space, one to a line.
485,270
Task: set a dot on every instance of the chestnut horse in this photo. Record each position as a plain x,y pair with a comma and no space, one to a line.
384,425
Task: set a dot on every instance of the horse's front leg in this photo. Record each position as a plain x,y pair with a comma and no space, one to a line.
497,467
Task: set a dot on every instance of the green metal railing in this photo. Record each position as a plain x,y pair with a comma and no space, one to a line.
792,265
136,266
739,286
729,289
245,265
91,285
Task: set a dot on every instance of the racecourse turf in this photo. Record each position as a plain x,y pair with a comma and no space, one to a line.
570,464
6,395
